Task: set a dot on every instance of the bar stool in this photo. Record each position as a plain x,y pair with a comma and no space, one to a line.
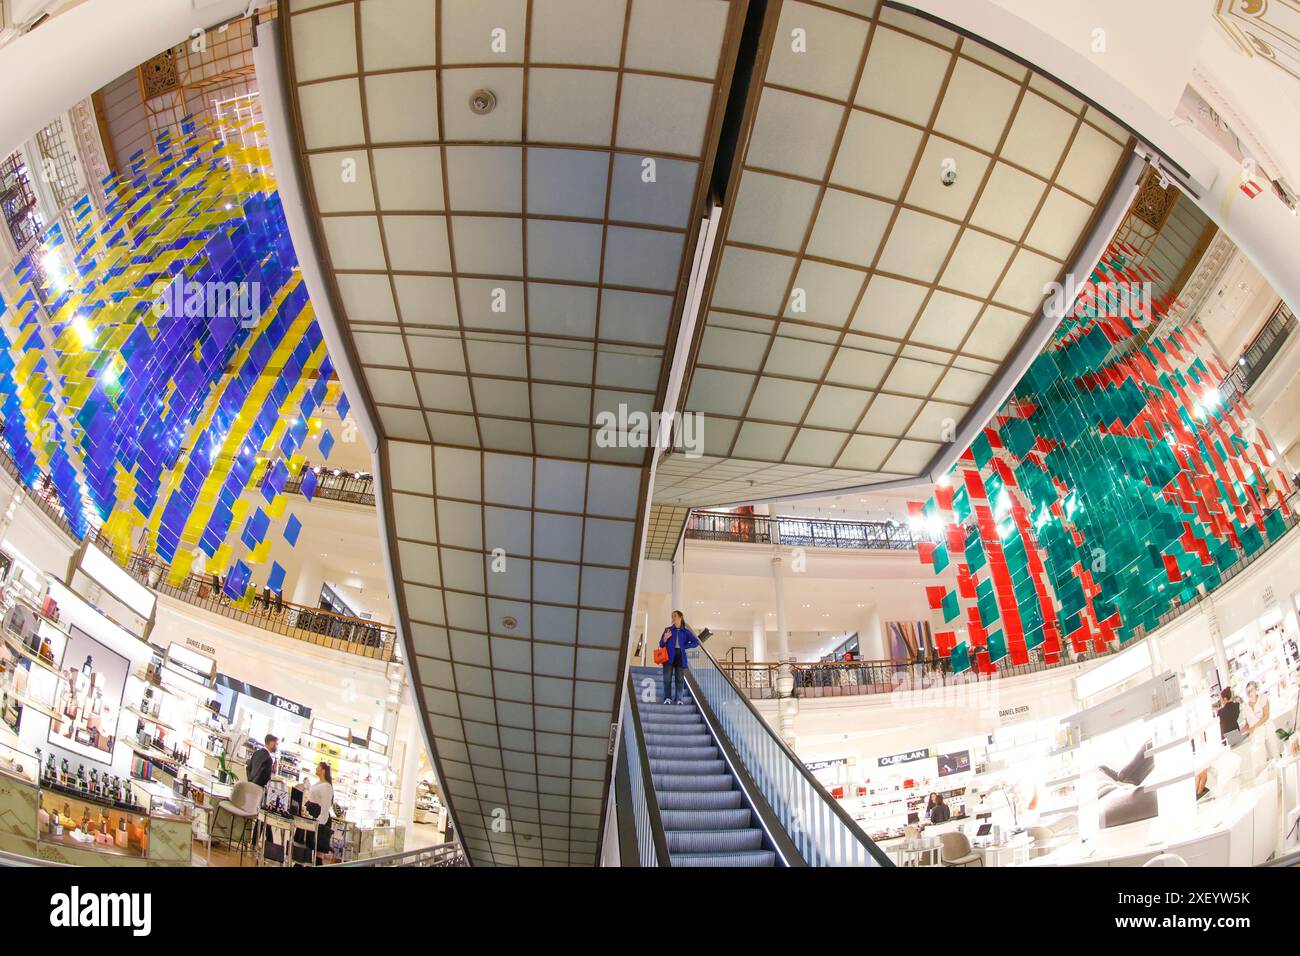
243,804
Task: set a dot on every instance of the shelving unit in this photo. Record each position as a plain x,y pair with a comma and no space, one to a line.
364,783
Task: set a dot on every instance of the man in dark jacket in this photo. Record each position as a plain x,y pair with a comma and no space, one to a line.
261,764
1229,713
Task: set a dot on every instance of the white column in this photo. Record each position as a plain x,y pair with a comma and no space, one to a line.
1157,658
408,773
15,500
304,585
645,636
758,646
1216,640
679,599
782,635
785,674
871,635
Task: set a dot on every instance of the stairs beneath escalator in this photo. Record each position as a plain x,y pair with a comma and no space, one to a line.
707,821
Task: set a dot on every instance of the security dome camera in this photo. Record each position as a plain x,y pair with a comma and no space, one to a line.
949,177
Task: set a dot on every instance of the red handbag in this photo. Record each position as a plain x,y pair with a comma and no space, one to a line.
661,655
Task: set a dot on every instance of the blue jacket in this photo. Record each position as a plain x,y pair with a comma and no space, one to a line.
678,640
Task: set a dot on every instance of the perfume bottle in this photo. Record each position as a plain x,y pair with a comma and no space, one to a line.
121,837
56,824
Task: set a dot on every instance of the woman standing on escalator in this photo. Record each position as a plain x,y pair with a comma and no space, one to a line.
675,640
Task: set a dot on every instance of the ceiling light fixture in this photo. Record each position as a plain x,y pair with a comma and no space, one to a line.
482,101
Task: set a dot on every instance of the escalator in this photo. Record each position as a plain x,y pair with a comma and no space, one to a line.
708,783
706,818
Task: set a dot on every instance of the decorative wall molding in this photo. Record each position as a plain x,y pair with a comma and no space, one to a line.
1267,29
1208,274
1241,127
94,161
158,75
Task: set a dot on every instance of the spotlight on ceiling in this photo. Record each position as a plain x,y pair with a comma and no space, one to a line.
482,102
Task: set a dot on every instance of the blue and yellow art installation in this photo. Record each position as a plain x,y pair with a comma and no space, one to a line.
161,365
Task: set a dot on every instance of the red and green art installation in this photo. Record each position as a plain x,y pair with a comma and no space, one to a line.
1116,483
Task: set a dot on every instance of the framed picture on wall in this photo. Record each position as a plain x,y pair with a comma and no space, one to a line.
88,700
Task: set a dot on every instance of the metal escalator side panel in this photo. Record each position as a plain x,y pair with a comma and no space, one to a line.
810,818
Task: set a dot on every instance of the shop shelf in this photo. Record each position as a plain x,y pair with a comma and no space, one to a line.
25,652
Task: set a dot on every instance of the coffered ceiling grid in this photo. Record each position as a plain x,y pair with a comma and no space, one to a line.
913,292
503,278
664,531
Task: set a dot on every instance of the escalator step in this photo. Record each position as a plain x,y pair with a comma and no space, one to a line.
753,858
713,841
688,767
682,753
678,740
668,782
668,713
700,800
707,819
673,727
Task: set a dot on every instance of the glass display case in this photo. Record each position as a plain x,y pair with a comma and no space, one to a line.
17,763
29,676
79,820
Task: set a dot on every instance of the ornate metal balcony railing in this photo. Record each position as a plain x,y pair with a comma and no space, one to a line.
856,678
334,484
853,678
1263,348
43,496
799,532
270,611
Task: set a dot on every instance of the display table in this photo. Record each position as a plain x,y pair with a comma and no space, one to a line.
280,830
362,843
1236,830
1010,852
924,852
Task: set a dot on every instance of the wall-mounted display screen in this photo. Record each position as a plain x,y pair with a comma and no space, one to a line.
331,731
88,700
956,762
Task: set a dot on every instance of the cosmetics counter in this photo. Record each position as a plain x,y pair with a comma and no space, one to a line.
67,793
1114,783
116,750
198,729
888,793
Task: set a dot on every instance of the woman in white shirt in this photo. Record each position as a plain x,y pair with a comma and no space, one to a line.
318,804
1255,715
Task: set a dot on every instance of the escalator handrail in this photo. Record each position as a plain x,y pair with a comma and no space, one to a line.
850,824
784,847
652,803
